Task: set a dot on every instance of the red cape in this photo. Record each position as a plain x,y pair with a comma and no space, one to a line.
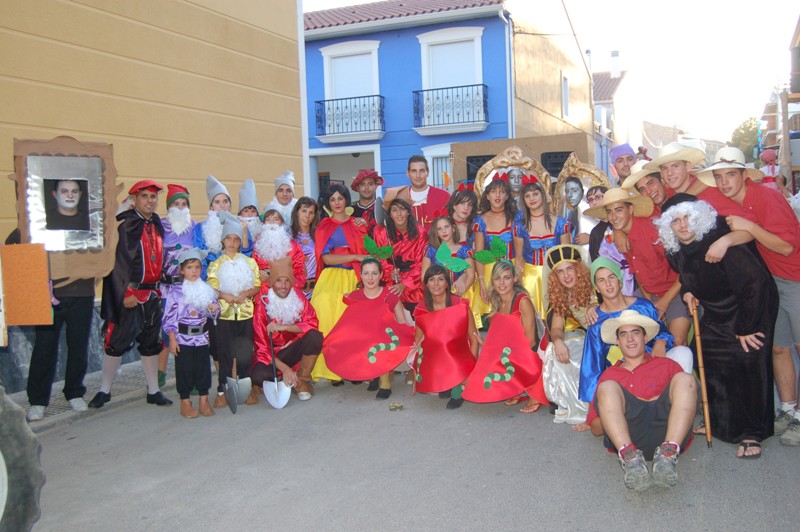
523,371
359,348
352,233
446,358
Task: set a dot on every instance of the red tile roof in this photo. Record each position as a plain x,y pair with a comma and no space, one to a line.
386,10
604,86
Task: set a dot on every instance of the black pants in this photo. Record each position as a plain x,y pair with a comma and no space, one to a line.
141,323
76,313
235,342
309,344
192,370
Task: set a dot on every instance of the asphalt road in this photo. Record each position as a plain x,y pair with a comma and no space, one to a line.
344,461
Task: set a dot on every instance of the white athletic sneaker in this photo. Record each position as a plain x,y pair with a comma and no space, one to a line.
35,413
78,404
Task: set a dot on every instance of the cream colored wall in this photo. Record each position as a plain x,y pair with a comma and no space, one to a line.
181,88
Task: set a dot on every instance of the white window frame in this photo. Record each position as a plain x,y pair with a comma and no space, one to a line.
450,35
437,150
444,36
345,49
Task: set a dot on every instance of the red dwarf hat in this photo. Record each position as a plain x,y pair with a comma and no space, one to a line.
368,173
145,184
176,192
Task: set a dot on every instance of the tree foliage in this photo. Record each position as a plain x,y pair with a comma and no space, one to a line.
745,137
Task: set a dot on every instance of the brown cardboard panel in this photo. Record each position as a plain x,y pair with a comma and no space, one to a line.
26,288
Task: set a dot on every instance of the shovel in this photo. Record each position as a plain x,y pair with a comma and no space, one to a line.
277,393
238,389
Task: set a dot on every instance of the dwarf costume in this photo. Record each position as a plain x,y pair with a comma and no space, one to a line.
249,198
274,244
286,178
739,298
234,329
178,237
367,213
137,269
188,307
292,348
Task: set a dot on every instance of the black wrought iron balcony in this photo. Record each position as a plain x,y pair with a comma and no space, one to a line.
467,104
362,114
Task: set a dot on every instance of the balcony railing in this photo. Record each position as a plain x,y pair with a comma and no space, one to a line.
467,104
362,114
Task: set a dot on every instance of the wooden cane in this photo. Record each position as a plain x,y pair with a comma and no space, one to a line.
702,371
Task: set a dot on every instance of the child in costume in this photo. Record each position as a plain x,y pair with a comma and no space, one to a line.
356,348
248,208
446,339
187,308
339,248
534,233
303,227
509,363
444,231
569,295
237,280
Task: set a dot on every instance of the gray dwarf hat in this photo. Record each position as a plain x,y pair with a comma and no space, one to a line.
230,224
192,253
215,188
247,195
286,178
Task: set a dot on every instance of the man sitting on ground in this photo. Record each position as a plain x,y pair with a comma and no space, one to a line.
644,405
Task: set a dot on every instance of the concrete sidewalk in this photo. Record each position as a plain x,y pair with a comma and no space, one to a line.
344,461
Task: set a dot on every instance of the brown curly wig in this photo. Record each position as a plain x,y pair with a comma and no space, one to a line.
558,297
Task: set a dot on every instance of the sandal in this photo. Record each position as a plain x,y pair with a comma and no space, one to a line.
700,429
531,408
515,400
745,445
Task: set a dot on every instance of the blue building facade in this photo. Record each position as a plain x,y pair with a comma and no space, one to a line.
376,98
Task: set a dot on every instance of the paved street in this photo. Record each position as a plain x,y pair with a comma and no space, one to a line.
343,461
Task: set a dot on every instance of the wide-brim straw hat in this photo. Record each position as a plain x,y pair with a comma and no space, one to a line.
675,151
628,317
728,157
638,171
642,205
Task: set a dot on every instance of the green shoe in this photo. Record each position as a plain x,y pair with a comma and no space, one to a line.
162,378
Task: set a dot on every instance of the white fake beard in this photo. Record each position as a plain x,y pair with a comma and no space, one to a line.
235,276
198,294
212,232
273,243
285,210
286,311
254,224
179,219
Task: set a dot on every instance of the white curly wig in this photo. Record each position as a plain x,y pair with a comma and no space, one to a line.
702,219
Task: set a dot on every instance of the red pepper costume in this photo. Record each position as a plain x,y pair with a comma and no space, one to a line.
493,380
408,254
446,359
359,347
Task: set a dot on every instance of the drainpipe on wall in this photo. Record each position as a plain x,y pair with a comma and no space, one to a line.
512,128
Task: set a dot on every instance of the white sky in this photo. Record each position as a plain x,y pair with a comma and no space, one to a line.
710,63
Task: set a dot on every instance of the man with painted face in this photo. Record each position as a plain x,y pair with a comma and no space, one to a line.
131,305
67,215
622,159
426,201
365,183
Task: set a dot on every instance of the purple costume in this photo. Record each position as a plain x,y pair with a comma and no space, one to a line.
178,312
307,245
174,245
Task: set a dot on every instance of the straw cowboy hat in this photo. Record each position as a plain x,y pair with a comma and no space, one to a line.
728,157
628,317
675,151
638,171
642,205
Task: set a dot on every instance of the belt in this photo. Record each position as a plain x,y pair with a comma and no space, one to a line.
171,279
310,284
191,330
143,286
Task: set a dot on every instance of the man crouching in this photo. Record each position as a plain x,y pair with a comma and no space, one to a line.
643,402
287,316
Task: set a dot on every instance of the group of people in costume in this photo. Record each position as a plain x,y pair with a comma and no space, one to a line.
483,295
